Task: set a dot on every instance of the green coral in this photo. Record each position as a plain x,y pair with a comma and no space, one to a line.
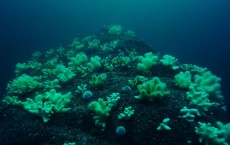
63,74
45,105
69,143
147,62
183,79
23,84
20,67
77,44
79,59
137,80
168,60
211,135
120,61
115,29
209,83
54,84
127,113
12,100
101,110
99,80
164,125
95,63
200,100
94,44
189,114
152,90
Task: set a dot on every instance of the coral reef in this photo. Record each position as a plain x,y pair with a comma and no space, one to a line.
111,88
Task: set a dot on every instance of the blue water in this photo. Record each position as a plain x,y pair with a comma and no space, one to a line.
194,31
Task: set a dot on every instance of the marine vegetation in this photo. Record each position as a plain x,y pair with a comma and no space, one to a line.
112,88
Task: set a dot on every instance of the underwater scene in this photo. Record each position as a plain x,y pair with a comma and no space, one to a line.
115,72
